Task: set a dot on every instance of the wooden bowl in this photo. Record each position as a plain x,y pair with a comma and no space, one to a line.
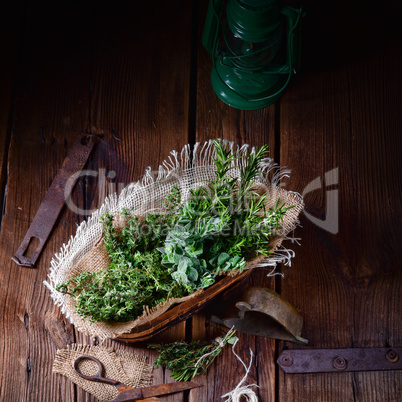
182,311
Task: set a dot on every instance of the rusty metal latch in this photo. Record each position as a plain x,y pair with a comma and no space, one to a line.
338,360
54,200
263,312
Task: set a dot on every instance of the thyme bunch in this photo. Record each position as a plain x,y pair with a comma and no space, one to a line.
135,277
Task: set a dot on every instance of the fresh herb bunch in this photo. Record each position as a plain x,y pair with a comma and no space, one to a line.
135,277
222,224
218,228
186,360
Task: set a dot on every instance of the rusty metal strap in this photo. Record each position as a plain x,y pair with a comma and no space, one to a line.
330,360
54,200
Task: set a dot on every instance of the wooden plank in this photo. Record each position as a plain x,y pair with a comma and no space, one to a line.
378,300
140,105
346,284
214,119
10,28
51,109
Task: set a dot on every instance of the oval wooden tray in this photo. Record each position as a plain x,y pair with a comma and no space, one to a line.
182,311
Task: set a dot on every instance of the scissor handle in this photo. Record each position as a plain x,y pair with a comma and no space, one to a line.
98,377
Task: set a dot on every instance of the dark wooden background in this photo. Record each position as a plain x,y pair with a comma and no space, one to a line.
139,76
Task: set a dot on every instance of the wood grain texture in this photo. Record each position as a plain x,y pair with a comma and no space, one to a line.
50,110
62,95
217,120
11,32
345,114
131,78
139,105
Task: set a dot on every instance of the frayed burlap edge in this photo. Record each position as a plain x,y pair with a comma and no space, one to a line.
120,365
97,259
186,172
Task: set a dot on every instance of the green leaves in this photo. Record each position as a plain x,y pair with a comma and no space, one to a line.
217,229
186,360
223,257
222,224
135,277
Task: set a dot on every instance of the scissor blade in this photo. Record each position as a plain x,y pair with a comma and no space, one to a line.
155,390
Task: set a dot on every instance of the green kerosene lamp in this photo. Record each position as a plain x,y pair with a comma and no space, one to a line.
255,46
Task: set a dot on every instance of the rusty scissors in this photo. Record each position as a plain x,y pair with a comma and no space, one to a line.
127,393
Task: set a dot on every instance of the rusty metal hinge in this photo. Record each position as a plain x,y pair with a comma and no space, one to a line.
333,360
54,200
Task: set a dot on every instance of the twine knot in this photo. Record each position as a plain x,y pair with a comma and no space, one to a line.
220,344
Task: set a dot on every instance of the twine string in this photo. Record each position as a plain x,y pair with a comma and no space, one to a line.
220,344
242,390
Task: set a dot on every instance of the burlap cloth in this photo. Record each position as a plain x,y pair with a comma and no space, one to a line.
86,252
128,368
